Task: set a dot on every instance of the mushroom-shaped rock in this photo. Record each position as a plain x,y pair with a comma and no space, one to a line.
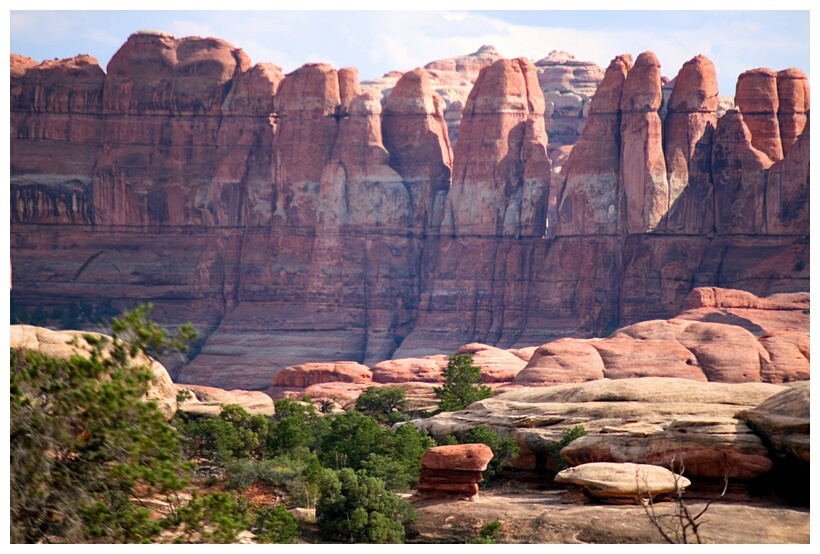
623,483
461,457
453,470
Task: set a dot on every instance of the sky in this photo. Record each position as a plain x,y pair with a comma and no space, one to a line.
377,42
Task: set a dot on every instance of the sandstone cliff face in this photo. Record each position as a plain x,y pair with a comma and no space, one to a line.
501,171
415,134
567,83
690,122
644,186
588,200
298,218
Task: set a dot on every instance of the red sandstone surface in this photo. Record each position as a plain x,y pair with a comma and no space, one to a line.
295,218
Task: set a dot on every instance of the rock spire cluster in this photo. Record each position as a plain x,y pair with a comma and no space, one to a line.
310,217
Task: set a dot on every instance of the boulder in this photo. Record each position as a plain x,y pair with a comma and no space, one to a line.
305,375
788,357
497,365
647,349
562,361
784,423
625,483
408,369
212,394
758,315
784,420
58,344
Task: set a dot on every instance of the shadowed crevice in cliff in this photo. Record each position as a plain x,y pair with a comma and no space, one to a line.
731,319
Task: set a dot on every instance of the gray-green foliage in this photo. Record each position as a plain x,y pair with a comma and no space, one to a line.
489,533
505,450
462,384
275,525
381,402
356,508
568,435
85,446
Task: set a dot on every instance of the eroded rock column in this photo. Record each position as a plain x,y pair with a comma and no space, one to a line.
501,172
415,134
644,185
588,200
689,124
756,98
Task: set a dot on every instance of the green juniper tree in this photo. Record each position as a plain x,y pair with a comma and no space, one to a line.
86,447
462,384
356,508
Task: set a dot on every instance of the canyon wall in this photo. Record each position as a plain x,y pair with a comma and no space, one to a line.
308,218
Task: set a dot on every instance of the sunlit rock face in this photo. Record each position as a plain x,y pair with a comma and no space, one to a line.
312,218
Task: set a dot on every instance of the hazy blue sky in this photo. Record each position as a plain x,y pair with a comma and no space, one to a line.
380,41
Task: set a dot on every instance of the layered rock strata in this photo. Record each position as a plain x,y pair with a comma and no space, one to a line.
453,471
294,219
651,420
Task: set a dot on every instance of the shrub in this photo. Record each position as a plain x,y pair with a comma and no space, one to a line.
85,447
381,402
462,384
356,508
208,519
276,525
234,434
351,438
490,533
569,435
295,475
505,450
295,425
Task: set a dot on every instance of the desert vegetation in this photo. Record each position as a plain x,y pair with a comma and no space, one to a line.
93,461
